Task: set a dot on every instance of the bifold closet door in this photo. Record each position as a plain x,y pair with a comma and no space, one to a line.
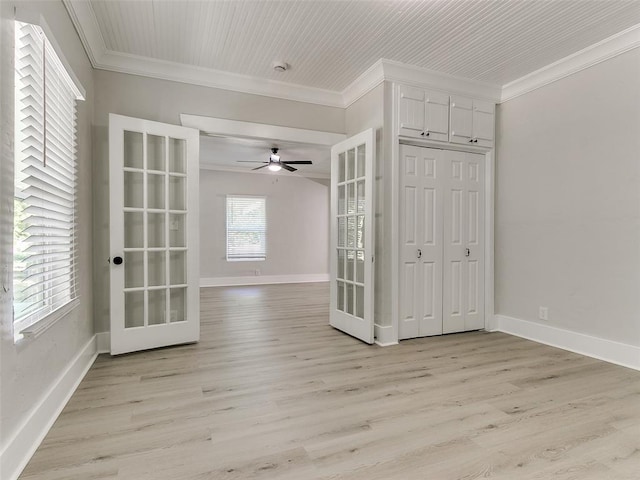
421,241
463,268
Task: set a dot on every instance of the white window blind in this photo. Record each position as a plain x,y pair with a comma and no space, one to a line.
45,245
246,228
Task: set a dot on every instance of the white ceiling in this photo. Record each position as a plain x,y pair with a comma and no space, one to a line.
334,48
225,153
330,43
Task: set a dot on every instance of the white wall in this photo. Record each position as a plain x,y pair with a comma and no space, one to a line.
164,101
297,224
29,369
568,202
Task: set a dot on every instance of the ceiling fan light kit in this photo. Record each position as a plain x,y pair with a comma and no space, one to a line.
275,164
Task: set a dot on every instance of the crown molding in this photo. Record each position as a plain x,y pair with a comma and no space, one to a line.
208,77
423,77
596,53
84,19
367,81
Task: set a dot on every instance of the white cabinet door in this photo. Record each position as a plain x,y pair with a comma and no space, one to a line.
483,123
463,270
436,116
154,284
411,111
421,242
461,119
352,227
423,114
472,121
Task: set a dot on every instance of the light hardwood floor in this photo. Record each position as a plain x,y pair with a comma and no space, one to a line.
273,392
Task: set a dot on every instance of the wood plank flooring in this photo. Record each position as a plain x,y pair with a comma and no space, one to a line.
273,392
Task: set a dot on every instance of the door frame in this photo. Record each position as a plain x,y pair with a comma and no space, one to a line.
389,335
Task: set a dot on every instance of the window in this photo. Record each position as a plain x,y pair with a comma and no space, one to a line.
44,239
246,228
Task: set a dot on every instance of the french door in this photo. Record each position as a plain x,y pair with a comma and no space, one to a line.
351,259
154,281
441,242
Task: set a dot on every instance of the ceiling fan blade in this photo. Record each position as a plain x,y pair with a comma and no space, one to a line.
287,167
258,168
250,161
298,162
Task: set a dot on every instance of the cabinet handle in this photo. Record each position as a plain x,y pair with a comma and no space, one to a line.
471,141
467,252
422,134
475,140
419,253
426,133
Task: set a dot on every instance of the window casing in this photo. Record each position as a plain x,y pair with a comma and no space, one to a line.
45,196
246,228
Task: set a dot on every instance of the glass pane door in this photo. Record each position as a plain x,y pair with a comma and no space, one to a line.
352,250
154,210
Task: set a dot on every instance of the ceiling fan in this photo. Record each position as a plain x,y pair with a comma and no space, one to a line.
275,164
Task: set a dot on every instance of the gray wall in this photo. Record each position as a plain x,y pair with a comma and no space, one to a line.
30,367
164,101
297,224
568,202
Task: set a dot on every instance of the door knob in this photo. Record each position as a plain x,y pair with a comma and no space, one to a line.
117,260
419,253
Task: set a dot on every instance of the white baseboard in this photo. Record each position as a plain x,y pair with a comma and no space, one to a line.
21,447
384,335
600,348
103,342
263,280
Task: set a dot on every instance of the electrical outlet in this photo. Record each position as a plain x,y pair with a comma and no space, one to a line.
543,313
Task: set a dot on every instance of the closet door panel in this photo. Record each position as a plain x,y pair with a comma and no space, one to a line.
474,233
421,242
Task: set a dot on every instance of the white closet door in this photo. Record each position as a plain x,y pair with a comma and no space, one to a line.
421,242
155,292
463,275
352,228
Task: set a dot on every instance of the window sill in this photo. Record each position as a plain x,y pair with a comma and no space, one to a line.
246,259
38,328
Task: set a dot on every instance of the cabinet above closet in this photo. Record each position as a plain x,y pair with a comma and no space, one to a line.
442,117
472,121
423,114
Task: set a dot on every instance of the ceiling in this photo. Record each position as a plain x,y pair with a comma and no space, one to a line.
330,43
333,48
230,153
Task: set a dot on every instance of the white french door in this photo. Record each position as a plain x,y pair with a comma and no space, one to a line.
421,242
463,304
352,228
154,279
